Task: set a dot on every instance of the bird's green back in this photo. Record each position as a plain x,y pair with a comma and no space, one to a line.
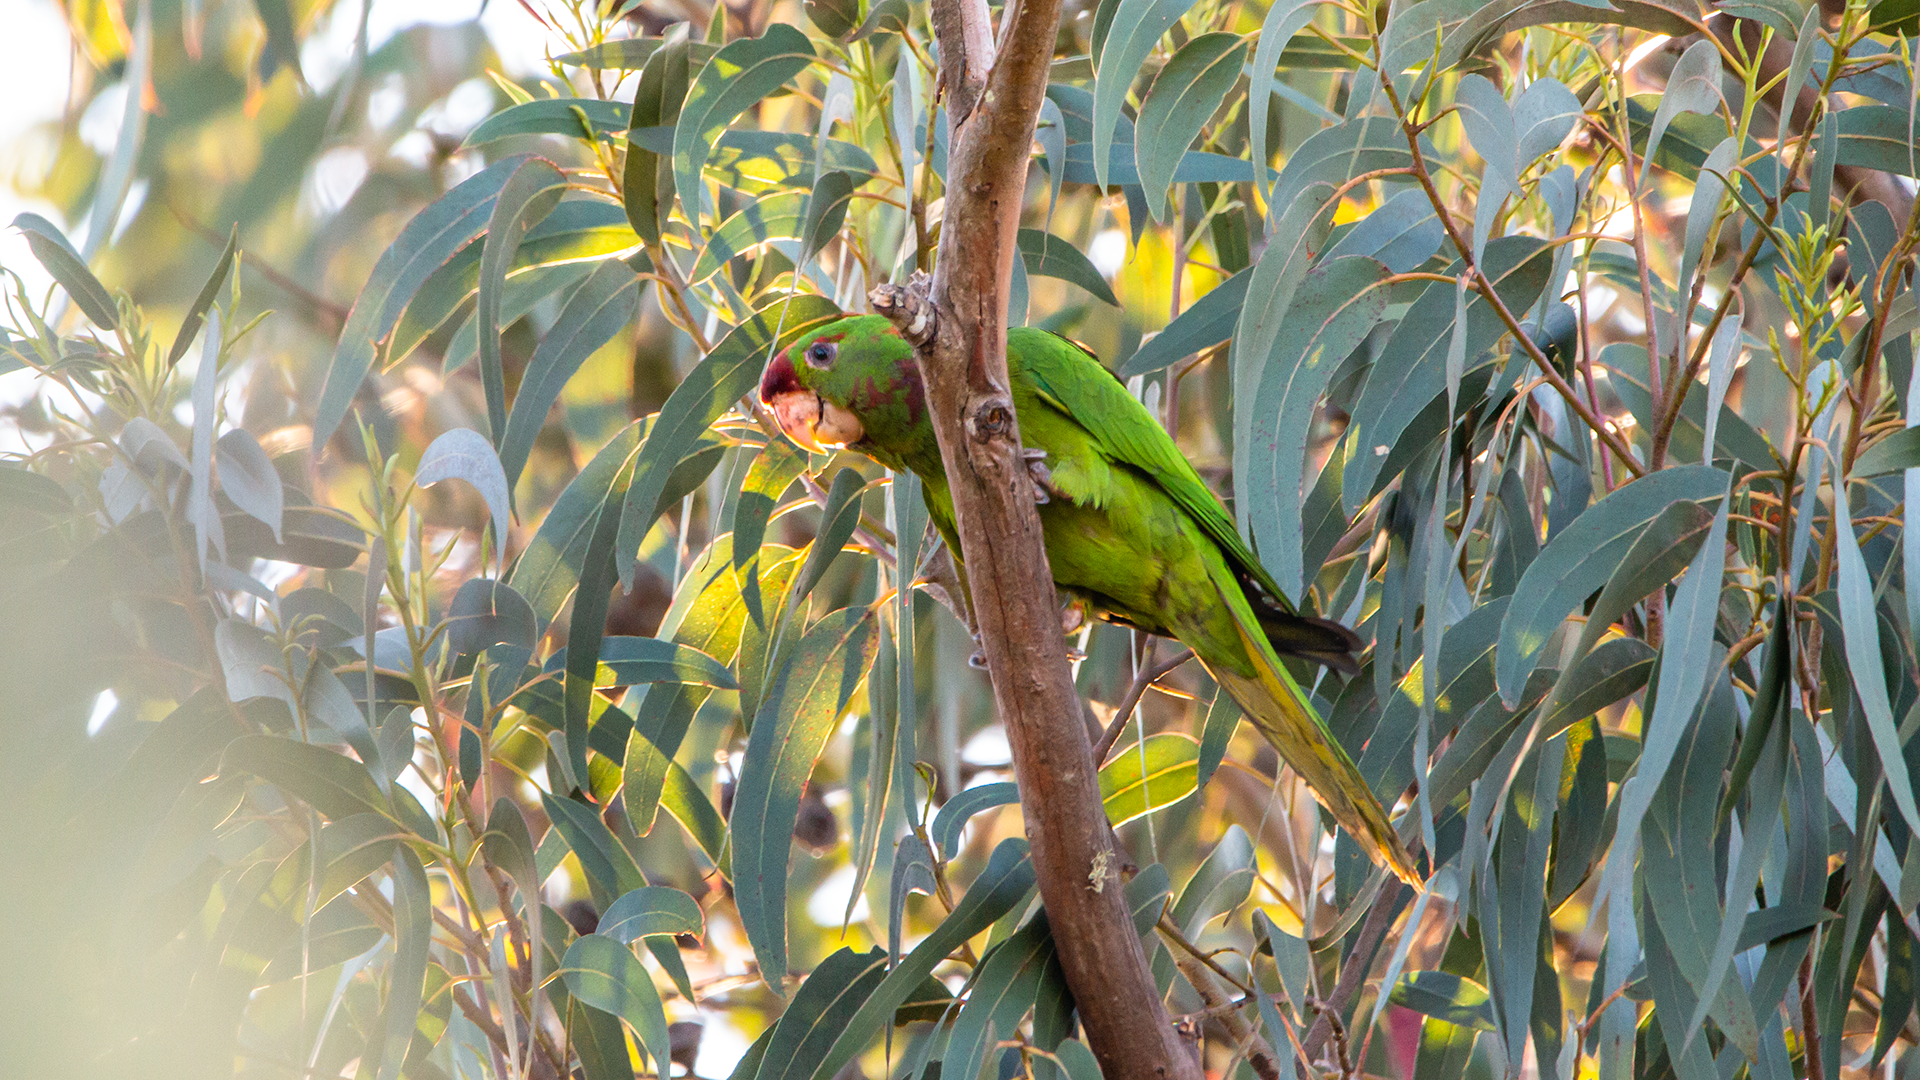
1072,381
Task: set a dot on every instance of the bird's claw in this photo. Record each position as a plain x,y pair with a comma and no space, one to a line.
1038,474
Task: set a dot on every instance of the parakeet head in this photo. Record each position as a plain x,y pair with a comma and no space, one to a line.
851,383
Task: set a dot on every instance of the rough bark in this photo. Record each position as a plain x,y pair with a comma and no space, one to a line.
959,321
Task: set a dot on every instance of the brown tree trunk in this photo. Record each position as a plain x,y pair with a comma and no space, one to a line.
959,322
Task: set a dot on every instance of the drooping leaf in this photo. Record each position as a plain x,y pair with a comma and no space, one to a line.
1185,95
412,934
248,478
953,817
1334,309
605,974
57,254
801,708
1694,87
632,660
1047,255
1137,26
429,240
651,911
738,76
597,310
1005,883
1208,322
465,454
1583,557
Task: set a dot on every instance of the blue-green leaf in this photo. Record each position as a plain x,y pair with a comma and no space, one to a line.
1184,96
727,374
1581,558
606,975
650,911
527,197
412,933
800,710
1047,255
429,240
737,77
953,817
579,118
56,253
597,310
1137,26
465,454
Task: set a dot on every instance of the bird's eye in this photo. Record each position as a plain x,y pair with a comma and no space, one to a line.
821,353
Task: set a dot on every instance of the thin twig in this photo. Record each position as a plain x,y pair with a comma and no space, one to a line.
1147,677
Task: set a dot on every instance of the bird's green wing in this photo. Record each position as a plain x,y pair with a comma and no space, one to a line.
1069,379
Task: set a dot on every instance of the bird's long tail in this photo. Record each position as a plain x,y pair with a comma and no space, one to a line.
1276,705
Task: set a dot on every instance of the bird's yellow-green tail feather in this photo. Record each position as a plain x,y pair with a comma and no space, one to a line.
1286,719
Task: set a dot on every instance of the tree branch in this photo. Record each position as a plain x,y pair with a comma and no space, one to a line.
958,321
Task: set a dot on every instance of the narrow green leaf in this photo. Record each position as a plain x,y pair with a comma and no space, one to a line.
528,196
1208,322
1137,26
632,660
412,934
838,518
1047,255
1282,21
548,570
578,118
1223,882
802,707
737,77
826,212
1583,557
332,783
652,911
1897,452
622,54
820,1011
429,240
209,292
602,305
1860,622
1185,95
1004,884
1333,311
953,816
607,863
774,470
606,975
780,216
56,253
727,374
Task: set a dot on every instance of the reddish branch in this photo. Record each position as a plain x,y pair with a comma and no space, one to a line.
958,319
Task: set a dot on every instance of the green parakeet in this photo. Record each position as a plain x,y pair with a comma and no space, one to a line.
1131,529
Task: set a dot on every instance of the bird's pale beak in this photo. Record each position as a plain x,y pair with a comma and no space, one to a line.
797,411
814,423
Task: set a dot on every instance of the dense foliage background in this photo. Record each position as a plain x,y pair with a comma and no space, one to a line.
1527,337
